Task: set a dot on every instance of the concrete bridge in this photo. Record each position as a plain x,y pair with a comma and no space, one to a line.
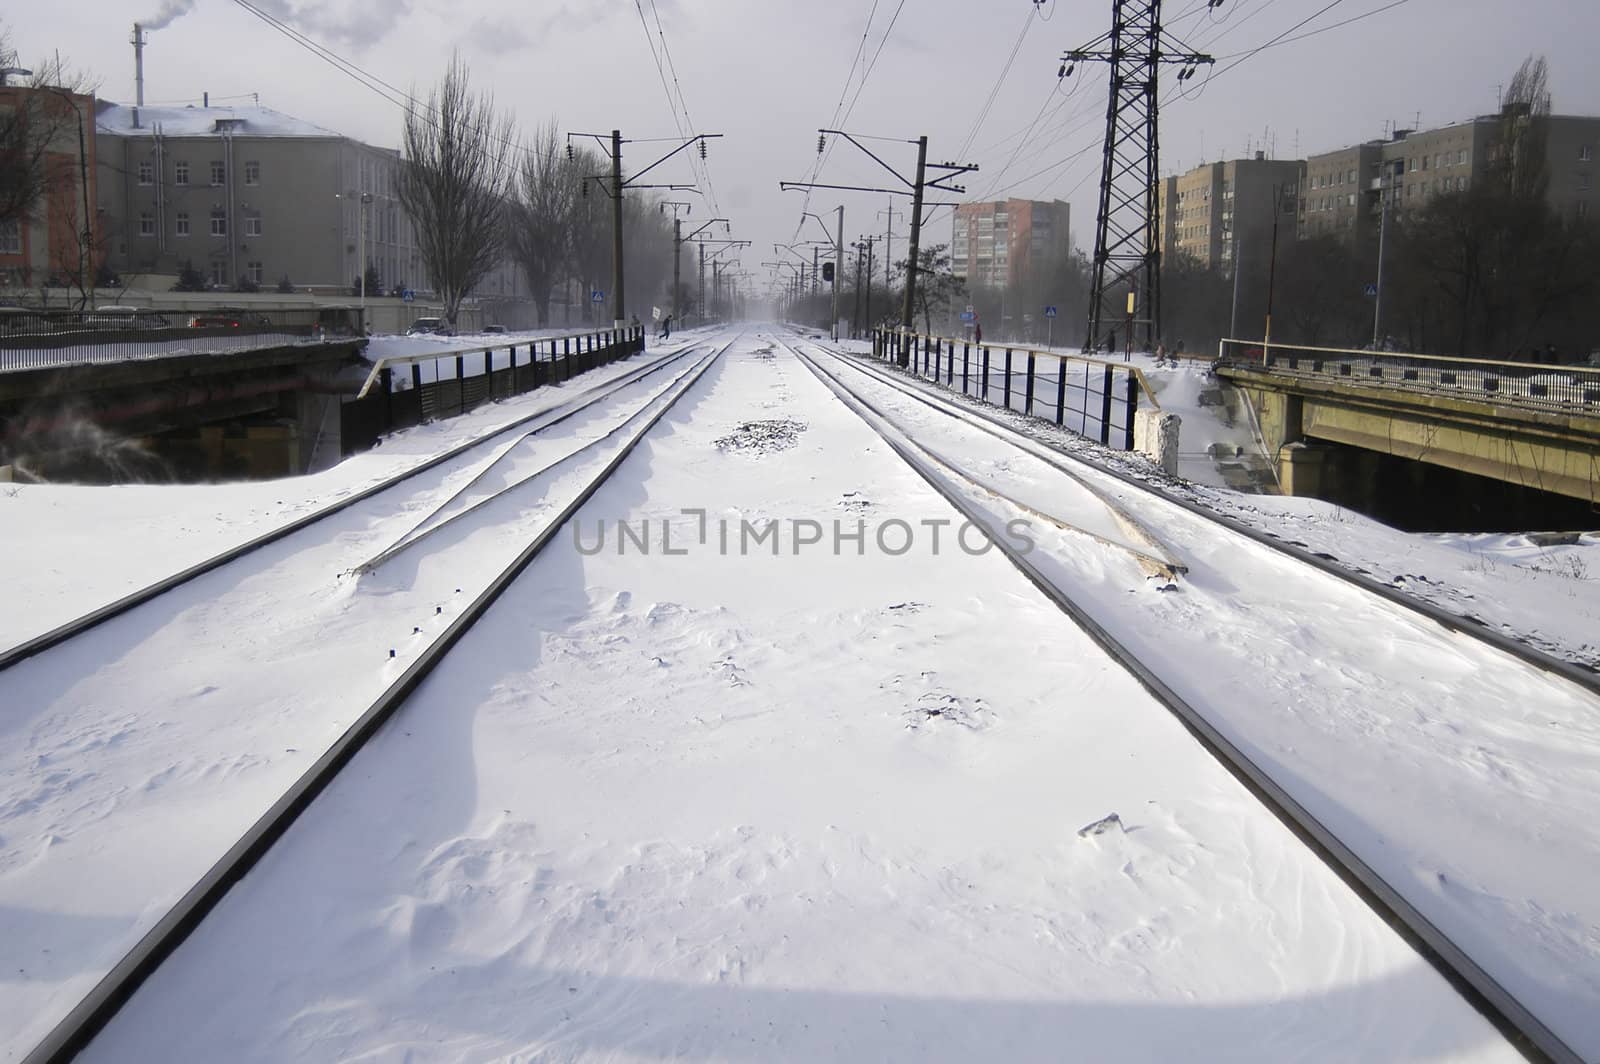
1331,418
272,410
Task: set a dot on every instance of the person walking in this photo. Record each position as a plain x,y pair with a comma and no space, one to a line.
666,327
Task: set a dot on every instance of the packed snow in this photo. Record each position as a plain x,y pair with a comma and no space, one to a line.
738,804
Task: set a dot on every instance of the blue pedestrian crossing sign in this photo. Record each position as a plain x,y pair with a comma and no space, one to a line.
597,296
408,295
1049,312
967,315
1369,289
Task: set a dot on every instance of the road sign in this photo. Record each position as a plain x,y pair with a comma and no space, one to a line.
1369,289
597,296
972,310
967,315
1049,312
408,295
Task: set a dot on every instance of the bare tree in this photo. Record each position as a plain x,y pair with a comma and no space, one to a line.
1521,166
546,196
588,245
454,183
34,124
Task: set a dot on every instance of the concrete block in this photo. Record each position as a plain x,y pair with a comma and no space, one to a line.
1155,435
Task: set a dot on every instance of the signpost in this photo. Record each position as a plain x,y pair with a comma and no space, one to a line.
408,295
1050,325
597,296
1369,289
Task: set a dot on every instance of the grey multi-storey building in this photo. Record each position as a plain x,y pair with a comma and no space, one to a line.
248,193
1345,189
1217,209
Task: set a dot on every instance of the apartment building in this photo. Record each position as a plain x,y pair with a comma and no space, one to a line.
250,194
48,240
1000,243
1344,189
1208,212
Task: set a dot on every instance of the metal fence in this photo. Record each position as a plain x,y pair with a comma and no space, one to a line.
1571,389
395,395
33,338
1087,396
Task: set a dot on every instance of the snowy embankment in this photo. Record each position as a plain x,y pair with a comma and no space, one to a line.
746,804
1446,765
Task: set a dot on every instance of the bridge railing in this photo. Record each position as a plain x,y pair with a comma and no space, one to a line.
408,390
1552,387
35,338
1089,396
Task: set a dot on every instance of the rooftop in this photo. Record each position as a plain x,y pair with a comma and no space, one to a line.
117,119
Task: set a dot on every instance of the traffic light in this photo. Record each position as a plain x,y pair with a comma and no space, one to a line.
827,271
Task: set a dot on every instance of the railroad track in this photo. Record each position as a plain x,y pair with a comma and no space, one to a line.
518,430
73,1033
1521,1026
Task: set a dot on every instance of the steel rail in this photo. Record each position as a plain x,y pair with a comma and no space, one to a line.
1525,1031
1472,627
579,402
90,1016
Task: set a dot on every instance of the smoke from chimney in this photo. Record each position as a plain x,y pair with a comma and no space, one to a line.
170,9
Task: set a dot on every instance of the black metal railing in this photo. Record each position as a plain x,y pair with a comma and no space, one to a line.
395,394
1088,396
1573,389
35,338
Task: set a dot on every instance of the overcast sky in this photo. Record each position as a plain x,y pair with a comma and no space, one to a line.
768,74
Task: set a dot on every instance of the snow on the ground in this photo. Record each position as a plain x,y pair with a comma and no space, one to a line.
71,548
931,756
1449,767
798,805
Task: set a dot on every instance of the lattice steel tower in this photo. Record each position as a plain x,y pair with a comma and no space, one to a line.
1127,252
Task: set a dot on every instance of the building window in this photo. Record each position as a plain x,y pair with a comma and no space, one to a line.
147,174
11,237
1461,157
252,225
253,271
181,172
1583,184
219,274
1586,154
252,173
147,224
1583,211
218,173
219,223
183,223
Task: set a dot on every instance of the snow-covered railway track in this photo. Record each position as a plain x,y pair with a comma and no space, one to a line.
1379,883
1076,465
79,1027
517,430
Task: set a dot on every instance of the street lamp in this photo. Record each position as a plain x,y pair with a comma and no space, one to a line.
361,245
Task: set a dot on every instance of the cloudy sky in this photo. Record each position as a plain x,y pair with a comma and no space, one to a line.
978,77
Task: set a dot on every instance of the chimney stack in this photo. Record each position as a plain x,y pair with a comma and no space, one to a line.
138,65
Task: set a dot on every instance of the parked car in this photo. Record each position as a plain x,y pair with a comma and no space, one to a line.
430,327
496,329
227,318
118,317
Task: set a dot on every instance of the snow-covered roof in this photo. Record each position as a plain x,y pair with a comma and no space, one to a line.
191,121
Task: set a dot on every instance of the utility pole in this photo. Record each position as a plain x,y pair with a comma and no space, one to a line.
702,281
909,310
1233,319
838,268
888,245
1127,246
618,303
1272,269
615,189
915,189
1383,227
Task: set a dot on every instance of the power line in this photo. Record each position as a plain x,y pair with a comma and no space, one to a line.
1005,71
